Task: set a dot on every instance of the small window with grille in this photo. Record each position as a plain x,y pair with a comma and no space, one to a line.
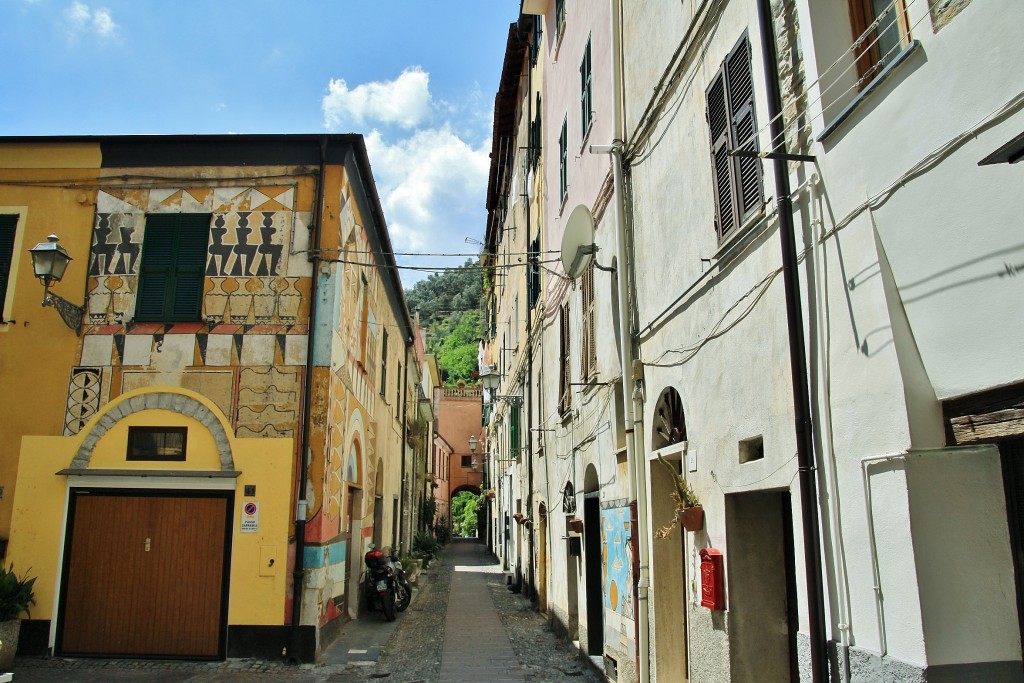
157,443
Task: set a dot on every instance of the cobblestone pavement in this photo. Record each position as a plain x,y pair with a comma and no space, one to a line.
413,654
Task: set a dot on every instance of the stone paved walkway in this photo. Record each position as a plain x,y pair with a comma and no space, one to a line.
463,626
476,646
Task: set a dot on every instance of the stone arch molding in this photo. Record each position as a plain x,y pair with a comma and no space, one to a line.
173,402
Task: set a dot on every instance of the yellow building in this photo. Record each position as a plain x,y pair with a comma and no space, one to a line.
221,435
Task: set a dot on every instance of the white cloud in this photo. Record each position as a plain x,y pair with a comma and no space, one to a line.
430,180
82,19
432,187
404,101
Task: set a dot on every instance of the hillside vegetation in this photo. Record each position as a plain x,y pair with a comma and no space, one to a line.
450,305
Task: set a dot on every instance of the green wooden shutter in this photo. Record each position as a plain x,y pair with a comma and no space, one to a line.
190,266
171,275
513,431
8,227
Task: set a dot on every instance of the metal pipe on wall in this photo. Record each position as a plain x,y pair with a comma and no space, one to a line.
300,513
797,358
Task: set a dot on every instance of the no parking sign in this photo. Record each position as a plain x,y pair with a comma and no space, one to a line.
250,517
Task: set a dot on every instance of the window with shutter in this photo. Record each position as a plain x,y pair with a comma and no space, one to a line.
384,363
513,431
564,386
586,93
533,277
588,345
172,270
732,123
563,162
881,29
8,228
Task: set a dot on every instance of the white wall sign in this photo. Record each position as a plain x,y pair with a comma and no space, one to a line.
250,517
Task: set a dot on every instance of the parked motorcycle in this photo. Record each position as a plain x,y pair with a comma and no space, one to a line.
386,585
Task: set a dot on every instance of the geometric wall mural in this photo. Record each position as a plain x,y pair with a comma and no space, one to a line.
268,401
83,398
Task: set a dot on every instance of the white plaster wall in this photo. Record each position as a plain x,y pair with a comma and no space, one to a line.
951,234
561,101
732,370
956,496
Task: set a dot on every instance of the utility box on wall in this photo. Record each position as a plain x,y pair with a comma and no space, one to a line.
712,581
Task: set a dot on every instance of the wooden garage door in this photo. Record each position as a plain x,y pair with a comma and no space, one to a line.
145,575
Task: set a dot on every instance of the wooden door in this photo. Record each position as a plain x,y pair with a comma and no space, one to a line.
145,574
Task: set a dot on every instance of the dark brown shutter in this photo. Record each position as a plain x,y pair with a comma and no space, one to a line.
564,394
718,122
588,347
744,129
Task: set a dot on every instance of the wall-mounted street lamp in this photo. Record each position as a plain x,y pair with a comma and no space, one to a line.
49,261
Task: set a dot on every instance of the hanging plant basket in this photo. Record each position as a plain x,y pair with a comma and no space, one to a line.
691,518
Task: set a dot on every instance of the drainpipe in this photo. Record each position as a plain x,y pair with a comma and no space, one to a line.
632,393
300,513
797,358
405,447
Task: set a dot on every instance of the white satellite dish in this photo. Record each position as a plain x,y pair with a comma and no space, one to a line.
578,246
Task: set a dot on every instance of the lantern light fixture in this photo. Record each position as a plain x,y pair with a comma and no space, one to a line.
49,262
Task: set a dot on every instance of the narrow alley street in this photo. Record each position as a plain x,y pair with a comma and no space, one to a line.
463,626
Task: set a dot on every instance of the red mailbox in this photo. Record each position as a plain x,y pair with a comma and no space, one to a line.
712,582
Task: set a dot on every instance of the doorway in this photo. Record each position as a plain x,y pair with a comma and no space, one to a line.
146,574
668,579
1012,453
572,571
761,575
355,551
594,566
542,558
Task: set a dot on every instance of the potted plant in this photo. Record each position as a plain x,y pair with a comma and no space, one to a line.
689,512
16,596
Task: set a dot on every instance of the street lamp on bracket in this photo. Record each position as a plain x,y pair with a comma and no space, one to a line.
49,262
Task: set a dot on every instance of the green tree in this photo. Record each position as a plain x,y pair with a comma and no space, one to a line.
450,305
464,513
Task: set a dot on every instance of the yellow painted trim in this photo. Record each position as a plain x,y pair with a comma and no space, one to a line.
51,156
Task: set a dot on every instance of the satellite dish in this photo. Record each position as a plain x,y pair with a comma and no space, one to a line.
578,246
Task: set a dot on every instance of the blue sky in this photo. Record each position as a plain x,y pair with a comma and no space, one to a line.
416,77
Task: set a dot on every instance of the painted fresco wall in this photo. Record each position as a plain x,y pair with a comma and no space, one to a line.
617,579
356,440
247,354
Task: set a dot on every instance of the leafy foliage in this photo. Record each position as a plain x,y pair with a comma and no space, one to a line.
464,517
16,594
450,305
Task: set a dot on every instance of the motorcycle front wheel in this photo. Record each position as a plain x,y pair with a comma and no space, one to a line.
389,605
404,597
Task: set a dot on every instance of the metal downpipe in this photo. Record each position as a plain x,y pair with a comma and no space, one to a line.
300,512
797,358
